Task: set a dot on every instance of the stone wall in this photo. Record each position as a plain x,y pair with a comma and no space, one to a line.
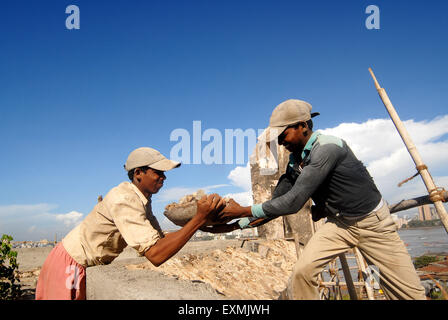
268,164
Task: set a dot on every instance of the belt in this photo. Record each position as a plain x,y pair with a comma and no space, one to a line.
354,218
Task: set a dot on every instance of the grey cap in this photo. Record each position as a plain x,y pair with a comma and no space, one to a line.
149,157
285,114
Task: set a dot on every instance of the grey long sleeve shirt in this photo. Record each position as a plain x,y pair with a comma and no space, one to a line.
331,176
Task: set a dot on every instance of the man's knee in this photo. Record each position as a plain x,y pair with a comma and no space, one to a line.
305,272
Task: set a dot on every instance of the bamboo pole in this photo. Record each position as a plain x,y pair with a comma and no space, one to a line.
362,267
424,173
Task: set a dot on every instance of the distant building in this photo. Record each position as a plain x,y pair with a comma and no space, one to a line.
434,213
426,213
400,222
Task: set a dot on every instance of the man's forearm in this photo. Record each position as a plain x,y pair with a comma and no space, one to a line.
169,245
246,211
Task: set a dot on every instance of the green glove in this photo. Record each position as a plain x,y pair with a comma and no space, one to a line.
244,223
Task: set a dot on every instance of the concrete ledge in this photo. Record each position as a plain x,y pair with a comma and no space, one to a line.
115,282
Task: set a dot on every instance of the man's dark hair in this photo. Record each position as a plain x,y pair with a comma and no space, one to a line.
131,172
310,124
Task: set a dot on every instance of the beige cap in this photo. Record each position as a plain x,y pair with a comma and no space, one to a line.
149,157
285,114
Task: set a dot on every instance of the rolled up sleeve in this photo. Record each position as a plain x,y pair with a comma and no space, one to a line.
129,216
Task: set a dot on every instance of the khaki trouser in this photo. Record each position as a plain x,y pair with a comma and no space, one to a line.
376,238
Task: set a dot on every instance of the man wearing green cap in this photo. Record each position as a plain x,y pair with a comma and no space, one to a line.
123,218
324,168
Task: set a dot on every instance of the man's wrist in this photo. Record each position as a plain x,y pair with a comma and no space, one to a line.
257,211
247,212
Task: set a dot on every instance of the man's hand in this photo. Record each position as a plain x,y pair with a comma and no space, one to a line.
233,211
170,244
220,228
318,212
209,206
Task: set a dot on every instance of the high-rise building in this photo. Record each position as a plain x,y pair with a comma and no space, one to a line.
434,214
424,213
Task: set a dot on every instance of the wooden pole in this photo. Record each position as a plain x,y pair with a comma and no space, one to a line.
409,204
424,173
415,202
348,277
362,267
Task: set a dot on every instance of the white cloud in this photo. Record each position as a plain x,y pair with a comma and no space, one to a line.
378,144
243,198
240,177
36,221
70,219
377,138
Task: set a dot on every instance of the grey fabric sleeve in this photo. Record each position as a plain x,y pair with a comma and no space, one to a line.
323,159
285,183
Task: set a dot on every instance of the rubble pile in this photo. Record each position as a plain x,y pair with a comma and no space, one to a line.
259,270
30,273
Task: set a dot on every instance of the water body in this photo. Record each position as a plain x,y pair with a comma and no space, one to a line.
422,241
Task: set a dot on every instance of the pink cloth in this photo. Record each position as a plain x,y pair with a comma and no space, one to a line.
61,277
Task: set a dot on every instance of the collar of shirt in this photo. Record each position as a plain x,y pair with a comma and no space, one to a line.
140,195
306,150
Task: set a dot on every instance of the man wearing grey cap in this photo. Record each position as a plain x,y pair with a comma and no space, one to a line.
324,168
123,218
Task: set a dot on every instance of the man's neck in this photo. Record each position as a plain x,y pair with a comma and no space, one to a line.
302,145
307,138
147,194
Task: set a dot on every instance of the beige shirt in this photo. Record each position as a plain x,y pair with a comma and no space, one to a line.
123,218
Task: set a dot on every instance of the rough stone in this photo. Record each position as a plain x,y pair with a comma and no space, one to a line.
181,212
258,270
265,173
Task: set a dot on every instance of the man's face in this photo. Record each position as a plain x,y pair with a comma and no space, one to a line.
293,138
150,181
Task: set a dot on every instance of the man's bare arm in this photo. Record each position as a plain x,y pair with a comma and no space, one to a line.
169,245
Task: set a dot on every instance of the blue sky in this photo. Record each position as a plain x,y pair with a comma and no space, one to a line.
74,103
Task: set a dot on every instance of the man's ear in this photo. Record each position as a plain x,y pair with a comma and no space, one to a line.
304,127
137,174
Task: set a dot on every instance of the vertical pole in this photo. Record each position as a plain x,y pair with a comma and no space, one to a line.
424,173
348,277
362,267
